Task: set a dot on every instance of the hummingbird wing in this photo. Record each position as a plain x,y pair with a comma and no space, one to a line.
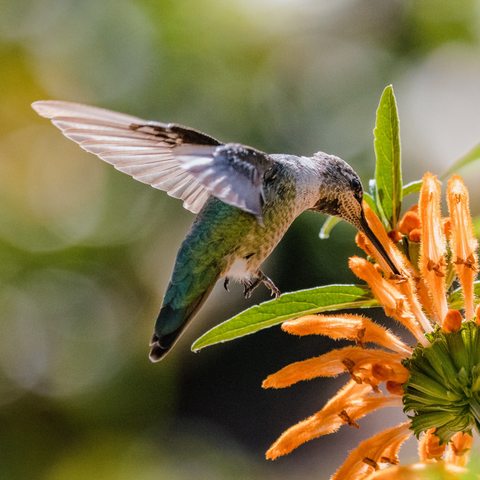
138,147
184,162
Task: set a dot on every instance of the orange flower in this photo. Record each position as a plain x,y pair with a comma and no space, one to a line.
459,448
463,242
354,401
437,379
381,448
353,327
433,245
429,448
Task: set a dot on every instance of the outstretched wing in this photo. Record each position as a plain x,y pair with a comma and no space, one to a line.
184,162
132,145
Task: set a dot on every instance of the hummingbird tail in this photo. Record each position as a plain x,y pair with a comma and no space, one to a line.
161,346
164,338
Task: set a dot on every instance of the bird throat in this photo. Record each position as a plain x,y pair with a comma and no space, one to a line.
329,206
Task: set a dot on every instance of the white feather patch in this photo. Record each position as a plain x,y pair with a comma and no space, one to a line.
238,270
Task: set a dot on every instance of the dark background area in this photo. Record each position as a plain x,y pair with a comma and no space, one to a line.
86,252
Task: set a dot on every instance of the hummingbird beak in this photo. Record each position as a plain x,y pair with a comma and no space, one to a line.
365,228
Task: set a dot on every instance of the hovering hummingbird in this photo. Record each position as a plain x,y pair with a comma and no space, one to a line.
245,200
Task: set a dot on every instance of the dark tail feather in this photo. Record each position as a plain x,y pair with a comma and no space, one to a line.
161,346
162,343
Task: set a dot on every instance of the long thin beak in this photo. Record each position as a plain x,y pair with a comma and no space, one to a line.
376,243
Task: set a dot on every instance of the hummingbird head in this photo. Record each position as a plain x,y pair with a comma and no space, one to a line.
341,194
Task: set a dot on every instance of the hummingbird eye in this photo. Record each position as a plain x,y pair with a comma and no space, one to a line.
356,186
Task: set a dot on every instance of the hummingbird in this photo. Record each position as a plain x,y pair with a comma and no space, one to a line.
245,200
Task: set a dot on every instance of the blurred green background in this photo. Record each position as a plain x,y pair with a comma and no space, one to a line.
86,252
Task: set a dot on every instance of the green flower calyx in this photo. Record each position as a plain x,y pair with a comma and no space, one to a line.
443,389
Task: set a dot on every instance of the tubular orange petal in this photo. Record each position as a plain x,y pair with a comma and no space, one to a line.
313,427
390,454
330,413
429,448
366,457
359,408
433,246
410,291
363,243
348,405
459,449
462,240
424,297
351,327
355,360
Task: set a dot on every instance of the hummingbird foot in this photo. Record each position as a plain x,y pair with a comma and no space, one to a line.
226,283
250,286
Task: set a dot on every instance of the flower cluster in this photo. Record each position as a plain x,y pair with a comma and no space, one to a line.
438,380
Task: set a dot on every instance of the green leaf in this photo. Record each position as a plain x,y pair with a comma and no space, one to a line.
423,384
289,305
412,187
455,299
422,423
469,157
330,222
388,173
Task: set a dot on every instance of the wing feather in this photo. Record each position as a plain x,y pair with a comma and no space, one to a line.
197,199
184,162
135,146
57,108
169,182
102,146
79,135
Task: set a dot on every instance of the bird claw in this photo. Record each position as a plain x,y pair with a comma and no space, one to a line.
250,286
226,283
273,289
